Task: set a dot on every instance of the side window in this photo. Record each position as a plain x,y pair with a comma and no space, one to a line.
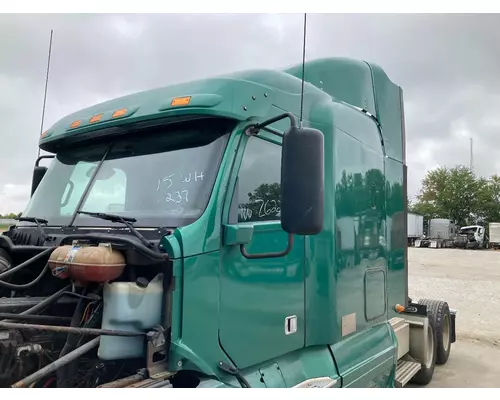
259,180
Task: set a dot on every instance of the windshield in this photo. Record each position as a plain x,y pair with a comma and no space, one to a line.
161,178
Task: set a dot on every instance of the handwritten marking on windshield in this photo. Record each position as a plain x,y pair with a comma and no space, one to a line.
179,197
184,178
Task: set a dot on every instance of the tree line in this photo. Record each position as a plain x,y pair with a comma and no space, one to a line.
10,216
459,195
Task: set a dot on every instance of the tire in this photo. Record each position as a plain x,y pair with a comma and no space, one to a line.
439,312
424,376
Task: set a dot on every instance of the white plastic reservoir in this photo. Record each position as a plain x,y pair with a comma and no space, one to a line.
130,306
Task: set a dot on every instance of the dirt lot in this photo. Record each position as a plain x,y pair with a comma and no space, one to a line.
469,280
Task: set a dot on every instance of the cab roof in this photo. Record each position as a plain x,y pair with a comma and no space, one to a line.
249,95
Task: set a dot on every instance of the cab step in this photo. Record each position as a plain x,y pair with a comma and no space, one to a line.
405,371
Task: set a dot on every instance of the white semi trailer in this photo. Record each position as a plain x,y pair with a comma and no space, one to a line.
494,235
415,228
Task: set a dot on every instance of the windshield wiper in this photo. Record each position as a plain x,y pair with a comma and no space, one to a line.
127,221
37,221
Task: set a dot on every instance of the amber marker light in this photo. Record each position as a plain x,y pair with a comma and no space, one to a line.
399,308
95,118
119,113
180,101
75,124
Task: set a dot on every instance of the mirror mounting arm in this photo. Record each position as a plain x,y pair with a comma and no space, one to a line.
255,129
268,255
37,162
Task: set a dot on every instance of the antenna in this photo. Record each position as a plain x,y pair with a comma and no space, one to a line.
303,70
46,85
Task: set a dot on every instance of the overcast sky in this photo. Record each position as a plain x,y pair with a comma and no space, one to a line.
447,65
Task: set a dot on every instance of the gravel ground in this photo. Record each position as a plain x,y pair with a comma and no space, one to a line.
469,280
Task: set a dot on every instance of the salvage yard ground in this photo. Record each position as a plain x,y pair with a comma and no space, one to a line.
469,280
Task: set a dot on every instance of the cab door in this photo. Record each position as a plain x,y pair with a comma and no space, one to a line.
261,313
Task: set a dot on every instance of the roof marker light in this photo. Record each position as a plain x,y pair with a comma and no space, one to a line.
95,118
75,124
180,101
119,113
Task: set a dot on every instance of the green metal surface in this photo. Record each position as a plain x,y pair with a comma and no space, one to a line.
233,309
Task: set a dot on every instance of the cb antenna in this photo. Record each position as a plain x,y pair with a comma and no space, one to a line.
303,70
46,85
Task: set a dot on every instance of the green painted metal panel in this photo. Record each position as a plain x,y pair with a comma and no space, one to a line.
261,294
271,376
389,112
367,358
342,78
396,235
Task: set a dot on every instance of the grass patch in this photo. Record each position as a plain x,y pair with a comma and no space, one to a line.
3,228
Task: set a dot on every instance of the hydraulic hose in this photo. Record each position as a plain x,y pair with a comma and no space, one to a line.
64,375
47,302
9,272
26,285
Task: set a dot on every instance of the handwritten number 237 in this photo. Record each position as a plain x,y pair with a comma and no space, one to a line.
178,197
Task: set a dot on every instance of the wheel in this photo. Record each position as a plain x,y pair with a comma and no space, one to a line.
424,376
439,312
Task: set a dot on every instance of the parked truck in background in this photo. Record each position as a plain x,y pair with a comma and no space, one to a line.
471,237
441,234
494,235
186,236
415,228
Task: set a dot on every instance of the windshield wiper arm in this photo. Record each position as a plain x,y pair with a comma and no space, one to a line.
37,221
127,221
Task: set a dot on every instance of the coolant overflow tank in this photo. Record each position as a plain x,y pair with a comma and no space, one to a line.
130,306
87,263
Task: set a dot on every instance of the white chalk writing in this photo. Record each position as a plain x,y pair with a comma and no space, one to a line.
170,180
177,197
267,207
245,214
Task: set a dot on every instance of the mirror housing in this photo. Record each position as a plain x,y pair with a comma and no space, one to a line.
237,234
302,181
38,174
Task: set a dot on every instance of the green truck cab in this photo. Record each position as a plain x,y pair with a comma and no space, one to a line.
226,232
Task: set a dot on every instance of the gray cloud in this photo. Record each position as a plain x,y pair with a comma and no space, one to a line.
446,64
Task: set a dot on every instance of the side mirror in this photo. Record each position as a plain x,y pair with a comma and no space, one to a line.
302,181
38,174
